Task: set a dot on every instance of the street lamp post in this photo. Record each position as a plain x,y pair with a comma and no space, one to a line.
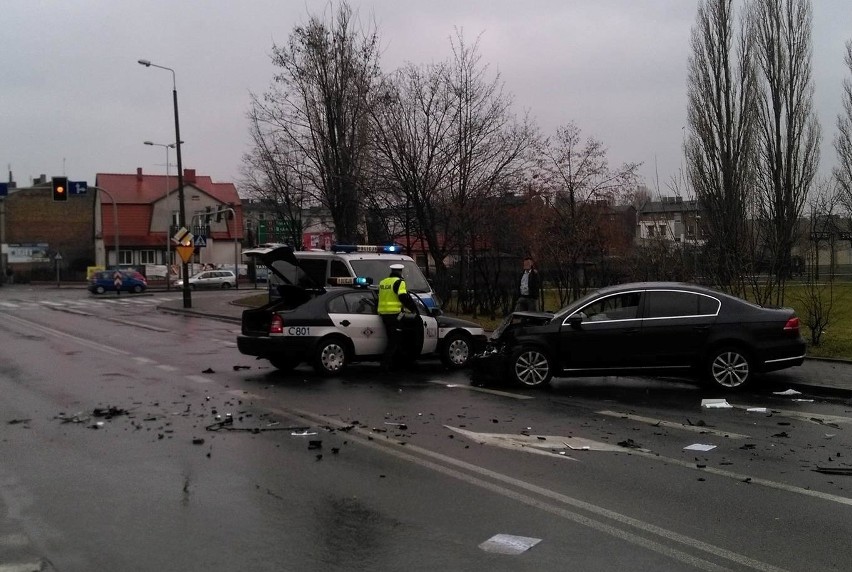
168,254
187,295
114,223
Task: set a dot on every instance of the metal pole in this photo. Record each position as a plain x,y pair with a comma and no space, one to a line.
187,295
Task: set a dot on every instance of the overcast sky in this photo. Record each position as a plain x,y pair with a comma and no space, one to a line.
74,100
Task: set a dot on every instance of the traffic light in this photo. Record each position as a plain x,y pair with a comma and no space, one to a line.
60,188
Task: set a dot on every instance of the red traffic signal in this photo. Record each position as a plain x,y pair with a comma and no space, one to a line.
60,188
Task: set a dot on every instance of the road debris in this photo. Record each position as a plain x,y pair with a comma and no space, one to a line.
757,410
699,447
197,441
782,434
630,444
787,392
315,444
109,412
716,404
208,370
239,367
18,421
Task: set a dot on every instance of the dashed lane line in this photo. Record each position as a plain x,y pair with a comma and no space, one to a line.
480,389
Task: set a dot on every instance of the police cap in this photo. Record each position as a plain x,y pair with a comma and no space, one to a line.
397,267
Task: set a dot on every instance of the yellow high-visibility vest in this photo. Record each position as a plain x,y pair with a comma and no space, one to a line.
388,299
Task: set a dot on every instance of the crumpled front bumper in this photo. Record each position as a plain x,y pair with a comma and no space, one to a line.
489,364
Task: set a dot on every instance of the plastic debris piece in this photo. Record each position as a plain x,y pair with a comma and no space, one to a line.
805,400
716,404
197,441
787,392
699,447
757,410
630,444
315,444
208,370
304,433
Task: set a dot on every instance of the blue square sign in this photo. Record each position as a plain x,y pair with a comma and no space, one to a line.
78,187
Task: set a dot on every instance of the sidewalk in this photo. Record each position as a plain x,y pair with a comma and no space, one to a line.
819,377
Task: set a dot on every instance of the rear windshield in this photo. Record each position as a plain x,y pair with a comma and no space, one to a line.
380,268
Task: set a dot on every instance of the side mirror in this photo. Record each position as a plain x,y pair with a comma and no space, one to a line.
575,321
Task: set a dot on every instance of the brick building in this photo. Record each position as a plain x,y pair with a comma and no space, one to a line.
36,229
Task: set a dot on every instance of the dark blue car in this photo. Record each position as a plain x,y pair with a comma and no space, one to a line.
104,281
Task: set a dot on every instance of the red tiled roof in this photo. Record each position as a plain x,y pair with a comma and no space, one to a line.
135,195
147,189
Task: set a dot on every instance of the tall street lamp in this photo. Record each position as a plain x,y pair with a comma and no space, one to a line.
168,254
187,295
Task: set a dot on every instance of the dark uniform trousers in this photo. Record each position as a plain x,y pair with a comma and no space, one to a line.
391,323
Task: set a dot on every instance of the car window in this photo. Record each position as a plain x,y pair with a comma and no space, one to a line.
616,307
379,268
338,269
337,305
672,304
361,302
315,271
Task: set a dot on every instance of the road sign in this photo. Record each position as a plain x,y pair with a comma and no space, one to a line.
183,237
200,241
78,187
4,189
185,252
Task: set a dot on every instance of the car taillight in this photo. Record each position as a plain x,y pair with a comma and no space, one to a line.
792,325
276,326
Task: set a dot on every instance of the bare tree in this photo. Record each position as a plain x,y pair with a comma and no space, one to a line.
719,146
319,104
582,185
272,174
413,119
788,130
488,149
843,140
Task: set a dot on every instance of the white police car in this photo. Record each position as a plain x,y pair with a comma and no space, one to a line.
331,326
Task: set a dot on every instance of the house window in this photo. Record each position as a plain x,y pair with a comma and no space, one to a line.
125,257
663,230
650,231
148,257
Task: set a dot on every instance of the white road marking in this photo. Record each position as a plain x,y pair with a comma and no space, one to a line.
542,444
199,379
479,389
805,415
165,367
142,359
673,425
8,304
453,467
56,333
27,567
10,540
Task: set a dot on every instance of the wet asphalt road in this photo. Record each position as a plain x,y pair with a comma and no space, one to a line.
415,472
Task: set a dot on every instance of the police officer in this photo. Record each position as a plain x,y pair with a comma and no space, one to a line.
392,297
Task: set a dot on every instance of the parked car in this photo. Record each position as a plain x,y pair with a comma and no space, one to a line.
645,328
350,260
332,326
104,281
211,279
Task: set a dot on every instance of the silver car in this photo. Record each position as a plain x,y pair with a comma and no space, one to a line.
212,279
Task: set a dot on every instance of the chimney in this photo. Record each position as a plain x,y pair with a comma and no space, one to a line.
138,173
189,176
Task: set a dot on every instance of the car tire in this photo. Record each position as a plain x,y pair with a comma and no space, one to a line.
530,367
284,364
729,368
331,356
99,290
137,289
456,350
226,285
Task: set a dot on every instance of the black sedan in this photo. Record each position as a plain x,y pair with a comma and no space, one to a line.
658,328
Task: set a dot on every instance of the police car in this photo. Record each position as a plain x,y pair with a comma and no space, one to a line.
332,325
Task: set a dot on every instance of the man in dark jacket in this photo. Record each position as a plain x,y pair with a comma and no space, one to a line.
528,288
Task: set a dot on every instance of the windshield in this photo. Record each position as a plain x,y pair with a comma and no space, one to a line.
378,269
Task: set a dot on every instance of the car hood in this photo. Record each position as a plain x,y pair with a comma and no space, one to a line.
269,255
519,320
450,322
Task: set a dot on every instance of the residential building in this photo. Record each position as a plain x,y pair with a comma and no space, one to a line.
672,219
148,215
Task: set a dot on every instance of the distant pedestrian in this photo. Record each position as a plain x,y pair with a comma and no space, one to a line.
529,288
117,282
10,276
